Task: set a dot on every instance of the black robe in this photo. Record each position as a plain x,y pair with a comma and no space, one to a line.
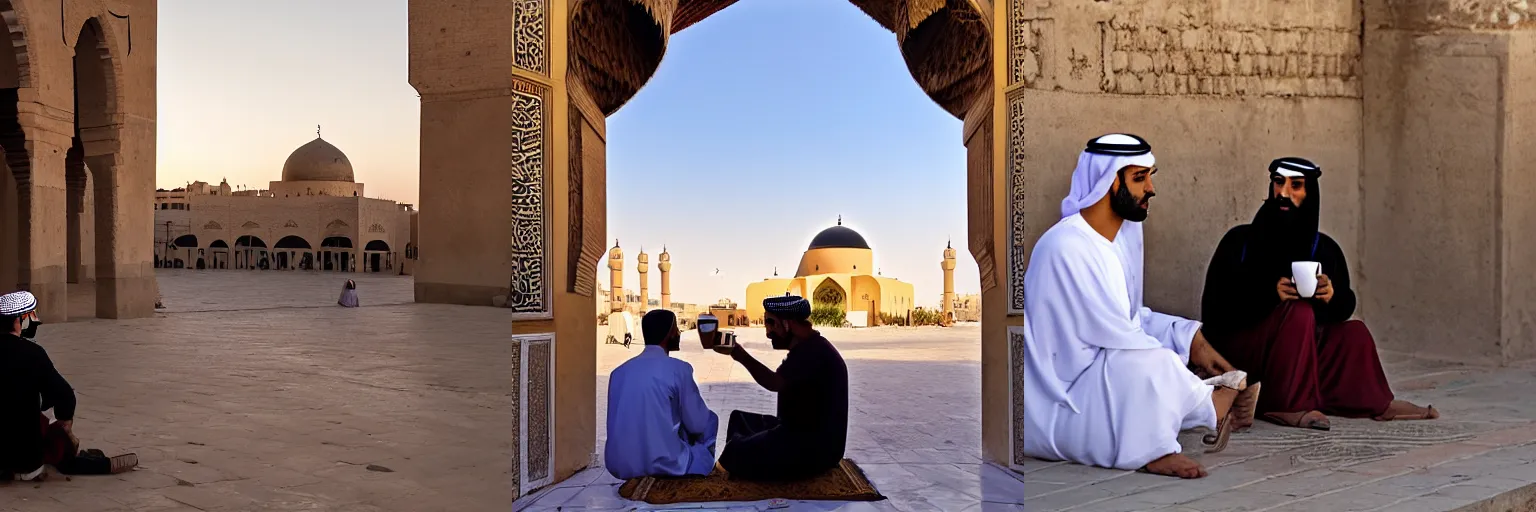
28,384
810,433
1240,292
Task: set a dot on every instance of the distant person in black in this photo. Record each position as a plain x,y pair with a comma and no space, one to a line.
810,433
29,384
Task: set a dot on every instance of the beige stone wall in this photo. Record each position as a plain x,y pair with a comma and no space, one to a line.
1448,219
1218,88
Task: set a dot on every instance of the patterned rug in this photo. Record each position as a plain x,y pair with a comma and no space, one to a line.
846,482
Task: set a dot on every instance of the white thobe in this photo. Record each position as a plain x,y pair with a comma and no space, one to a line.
1107,382
658,424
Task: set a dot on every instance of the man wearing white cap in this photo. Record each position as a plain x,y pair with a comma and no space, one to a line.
30,384
1108,381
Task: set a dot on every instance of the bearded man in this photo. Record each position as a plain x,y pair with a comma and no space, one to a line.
1108,381
810,433
1312,358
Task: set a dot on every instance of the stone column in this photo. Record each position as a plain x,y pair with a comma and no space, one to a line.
44,214
666,278
1449,171
948,265
492,79
645,280
616,278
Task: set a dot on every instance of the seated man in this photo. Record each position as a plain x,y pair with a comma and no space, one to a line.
658,424
1310,356
1107,382
29,384
810,433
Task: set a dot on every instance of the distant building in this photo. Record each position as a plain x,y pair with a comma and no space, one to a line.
837,270
315,218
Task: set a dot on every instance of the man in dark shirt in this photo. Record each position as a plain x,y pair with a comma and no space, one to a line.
29,384
1312,358
811,430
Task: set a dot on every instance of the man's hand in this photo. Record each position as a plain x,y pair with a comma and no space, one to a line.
1287,290
1204,357
1324,289
69,429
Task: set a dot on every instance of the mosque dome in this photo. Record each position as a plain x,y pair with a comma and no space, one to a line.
838,237
317,161
837,250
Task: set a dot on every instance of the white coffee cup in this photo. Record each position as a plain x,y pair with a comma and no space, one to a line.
1304,274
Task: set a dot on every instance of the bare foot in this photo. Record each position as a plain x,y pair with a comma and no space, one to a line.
1175,464
1405,410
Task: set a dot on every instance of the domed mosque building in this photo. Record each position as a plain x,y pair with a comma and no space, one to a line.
315,218
837,269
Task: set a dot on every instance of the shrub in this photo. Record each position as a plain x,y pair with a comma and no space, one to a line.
831,316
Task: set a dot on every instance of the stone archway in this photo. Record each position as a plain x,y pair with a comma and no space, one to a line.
75,176
574,63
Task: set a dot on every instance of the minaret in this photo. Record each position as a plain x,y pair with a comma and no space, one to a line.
949,281
665,264
615,278
645,281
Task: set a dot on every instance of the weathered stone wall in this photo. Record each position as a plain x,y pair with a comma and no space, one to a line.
1448,224
1218,88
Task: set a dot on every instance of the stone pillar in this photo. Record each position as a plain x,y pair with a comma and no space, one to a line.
665,265
494,138
645,280
79,231
616,278
43,196
1448,176
949,283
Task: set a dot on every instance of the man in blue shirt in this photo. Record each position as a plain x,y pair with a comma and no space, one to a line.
658,424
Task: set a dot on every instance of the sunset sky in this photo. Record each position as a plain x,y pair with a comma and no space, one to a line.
774,116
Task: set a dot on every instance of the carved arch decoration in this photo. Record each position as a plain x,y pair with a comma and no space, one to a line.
337,224
615,46
212,226
250,224
290,224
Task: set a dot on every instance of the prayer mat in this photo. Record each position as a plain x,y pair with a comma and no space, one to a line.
846,482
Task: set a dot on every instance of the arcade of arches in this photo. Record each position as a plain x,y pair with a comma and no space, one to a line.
77,126
574,62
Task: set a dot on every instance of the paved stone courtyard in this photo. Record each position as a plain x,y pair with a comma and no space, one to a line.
252,391
1478,456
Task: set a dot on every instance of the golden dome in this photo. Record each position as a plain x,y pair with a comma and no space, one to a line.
317,161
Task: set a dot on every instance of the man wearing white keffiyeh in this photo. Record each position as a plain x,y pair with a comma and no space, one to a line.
1107,381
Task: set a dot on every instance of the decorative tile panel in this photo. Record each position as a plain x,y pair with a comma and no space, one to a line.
518,390
1016,389
528,293
530,31
536,414
1018,243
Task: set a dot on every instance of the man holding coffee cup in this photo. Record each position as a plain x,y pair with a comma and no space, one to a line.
1278,302
810,432
1108,380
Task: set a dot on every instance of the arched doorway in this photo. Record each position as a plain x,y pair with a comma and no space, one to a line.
218,255
829,304
251,253
293,253
564,93
376,254
336,254
183,249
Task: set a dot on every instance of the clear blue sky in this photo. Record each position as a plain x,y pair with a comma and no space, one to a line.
764,123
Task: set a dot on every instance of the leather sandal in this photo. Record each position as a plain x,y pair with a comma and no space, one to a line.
1314,420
